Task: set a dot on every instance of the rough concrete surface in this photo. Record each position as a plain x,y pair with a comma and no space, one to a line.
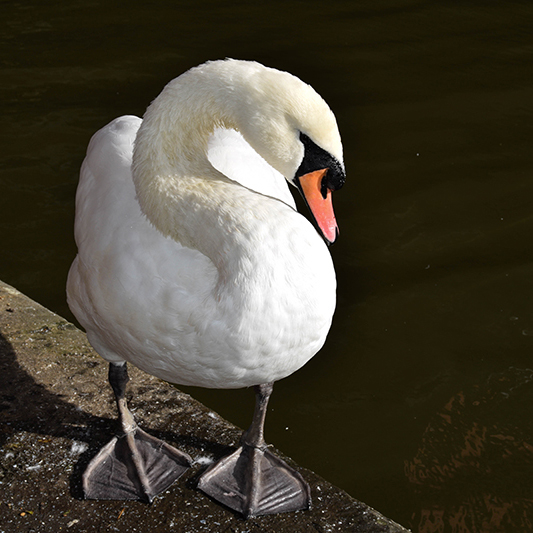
57,410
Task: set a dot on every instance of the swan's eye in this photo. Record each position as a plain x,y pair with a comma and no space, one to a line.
324,186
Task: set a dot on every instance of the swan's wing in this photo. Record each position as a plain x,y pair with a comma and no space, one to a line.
105,193
229,153
130,286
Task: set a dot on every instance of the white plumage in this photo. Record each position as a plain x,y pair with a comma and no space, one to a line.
193,263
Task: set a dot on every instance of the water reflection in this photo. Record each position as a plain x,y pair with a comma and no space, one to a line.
472,472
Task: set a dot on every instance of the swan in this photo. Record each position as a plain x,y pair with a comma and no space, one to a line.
194,265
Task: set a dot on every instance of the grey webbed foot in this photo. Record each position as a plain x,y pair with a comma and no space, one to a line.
252,480
255,482
134,465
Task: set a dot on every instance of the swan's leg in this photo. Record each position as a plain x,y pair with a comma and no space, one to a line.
134,465
252,480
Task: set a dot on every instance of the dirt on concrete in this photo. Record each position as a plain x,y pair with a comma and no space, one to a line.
57,411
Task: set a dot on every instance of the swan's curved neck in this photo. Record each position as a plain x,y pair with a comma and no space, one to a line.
177,187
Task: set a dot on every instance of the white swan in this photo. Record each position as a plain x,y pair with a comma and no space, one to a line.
194,265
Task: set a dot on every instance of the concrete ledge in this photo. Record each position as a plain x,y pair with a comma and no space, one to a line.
56,411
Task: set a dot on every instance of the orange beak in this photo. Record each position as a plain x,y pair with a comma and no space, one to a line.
321,208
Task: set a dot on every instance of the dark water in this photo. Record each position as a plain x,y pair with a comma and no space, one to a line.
421,402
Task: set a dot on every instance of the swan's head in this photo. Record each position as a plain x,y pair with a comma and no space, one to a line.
289,124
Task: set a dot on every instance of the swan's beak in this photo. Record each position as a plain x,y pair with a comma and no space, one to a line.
318,199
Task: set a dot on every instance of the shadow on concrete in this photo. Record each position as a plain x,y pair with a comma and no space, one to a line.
27,406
